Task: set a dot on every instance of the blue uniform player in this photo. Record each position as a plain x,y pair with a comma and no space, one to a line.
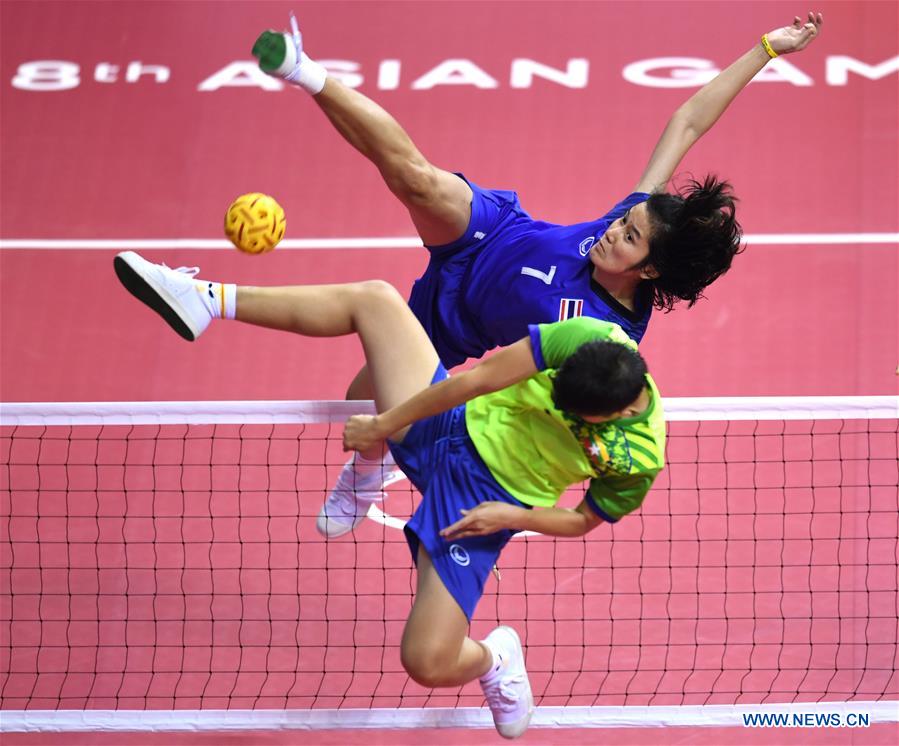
507,267
494,270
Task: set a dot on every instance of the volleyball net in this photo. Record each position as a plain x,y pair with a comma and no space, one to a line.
163,556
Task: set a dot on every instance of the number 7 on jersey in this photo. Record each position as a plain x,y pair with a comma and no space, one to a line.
546,277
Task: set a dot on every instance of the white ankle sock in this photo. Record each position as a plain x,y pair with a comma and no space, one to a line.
496,665
219,298
363,466
305,72
310,76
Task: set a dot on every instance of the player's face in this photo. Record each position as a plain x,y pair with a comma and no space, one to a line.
624,246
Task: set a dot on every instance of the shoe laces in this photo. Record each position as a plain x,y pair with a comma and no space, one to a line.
189,271
298,43
504,693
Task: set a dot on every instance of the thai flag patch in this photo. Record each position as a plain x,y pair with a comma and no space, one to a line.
571,308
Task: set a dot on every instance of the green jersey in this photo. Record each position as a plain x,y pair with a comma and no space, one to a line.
536,451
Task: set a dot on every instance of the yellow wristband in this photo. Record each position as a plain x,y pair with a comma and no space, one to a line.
766,44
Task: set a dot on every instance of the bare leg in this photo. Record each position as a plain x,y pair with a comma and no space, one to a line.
400,358
360,388
438,201
436,649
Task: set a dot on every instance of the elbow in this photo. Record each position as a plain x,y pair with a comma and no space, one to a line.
477,384
589,522
581,526
686,124
585,528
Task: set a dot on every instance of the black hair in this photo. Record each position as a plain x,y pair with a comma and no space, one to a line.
694,238
600,378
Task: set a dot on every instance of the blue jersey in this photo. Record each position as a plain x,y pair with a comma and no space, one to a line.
509,271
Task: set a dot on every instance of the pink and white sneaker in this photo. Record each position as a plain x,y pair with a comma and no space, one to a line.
349,501
506,686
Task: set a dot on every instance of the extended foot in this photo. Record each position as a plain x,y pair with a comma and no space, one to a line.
271,49
184,303
281,55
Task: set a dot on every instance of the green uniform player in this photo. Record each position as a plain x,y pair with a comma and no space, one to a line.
526,441
491,449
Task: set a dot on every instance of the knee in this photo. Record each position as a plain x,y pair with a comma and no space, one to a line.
379,293
374,302
426,665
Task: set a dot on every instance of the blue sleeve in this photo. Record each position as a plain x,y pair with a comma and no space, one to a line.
536,346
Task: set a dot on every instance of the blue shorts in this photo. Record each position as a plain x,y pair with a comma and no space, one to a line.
437,297
441,461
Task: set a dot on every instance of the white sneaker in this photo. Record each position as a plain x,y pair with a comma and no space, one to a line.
506,686
173,293
280,54
348,503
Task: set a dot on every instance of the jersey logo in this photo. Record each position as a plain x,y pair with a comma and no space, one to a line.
459,555
586,244
605,446
570,308
608,451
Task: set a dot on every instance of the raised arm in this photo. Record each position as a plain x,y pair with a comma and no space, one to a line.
508,366
695,117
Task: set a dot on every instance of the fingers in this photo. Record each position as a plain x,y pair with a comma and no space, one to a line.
353,441
812,24
804,32
451,531
465,526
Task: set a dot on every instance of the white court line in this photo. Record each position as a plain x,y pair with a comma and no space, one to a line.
629,716
396,242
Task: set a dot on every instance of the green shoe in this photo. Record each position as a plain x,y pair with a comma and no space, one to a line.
271,50
280,54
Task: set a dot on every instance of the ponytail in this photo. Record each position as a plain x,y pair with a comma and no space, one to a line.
695,236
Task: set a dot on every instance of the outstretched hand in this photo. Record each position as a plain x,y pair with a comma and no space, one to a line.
361,432
796,37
